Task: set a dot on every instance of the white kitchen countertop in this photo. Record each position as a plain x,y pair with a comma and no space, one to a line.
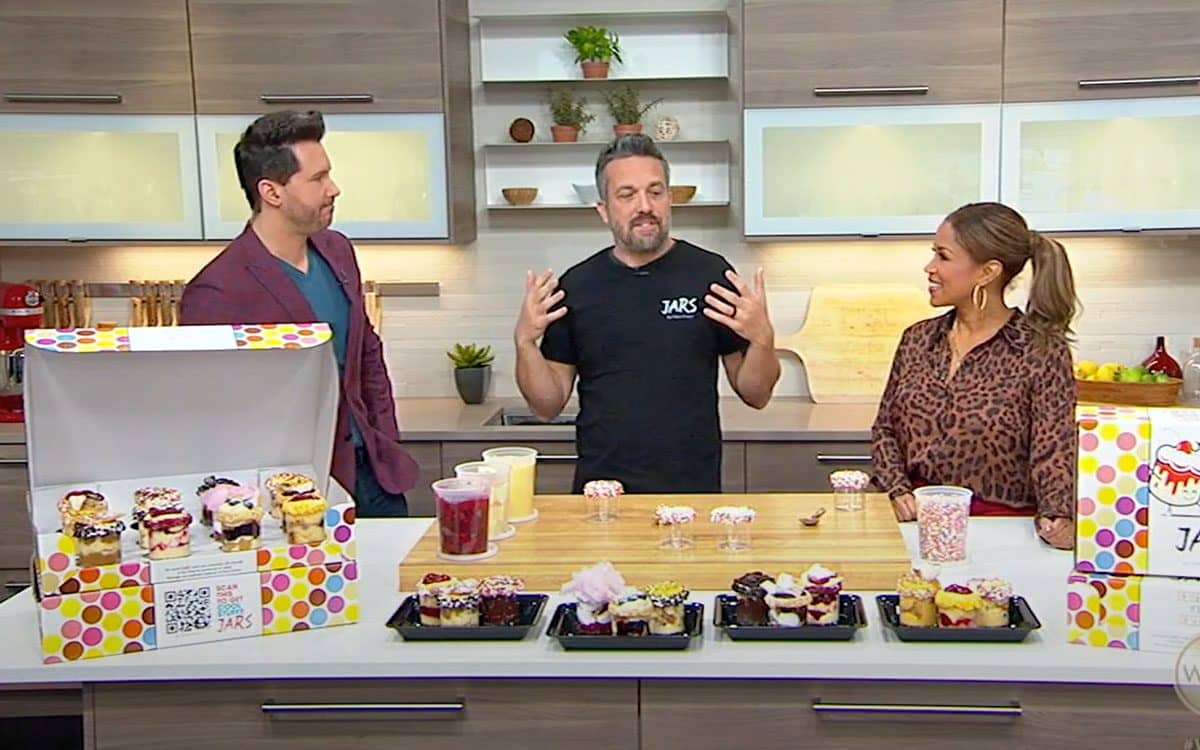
1004,547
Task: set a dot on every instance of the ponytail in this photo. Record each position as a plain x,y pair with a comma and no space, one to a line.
1052,302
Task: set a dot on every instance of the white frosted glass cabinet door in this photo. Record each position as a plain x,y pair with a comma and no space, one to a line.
866,170
1123,164
391,170
99,177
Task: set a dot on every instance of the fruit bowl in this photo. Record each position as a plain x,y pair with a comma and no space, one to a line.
1129,394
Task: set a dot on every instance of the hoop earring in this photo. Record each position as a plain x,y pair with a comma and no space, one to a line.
979,297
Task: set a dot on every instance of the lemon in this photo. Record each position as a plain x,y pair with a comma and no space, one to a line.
1108,373
1085,369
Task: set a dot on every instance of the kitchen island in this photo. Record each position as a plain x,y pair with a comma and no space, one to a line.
362,686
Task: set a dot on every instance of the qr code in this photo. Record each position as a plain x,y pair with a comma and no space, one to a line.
187,610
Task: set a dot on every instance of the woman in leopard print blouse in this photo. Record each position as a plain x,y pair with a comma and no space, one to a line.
984,395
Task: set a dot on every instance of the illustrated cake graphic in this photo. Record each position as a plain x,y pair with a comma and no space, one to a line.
1175,478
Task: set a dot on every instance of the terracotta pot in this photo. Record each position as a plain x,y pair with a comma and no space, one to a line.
594,69
620,130
564,133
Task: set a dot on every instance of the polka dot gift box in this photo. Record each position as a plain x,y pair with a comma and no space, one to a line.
1112,510
1136,613
97,623
172,396
304,598
1138,502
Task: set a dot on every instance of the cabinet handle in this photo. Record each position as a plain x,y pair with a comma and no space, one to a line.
25,98
826,458
316,98
1013,709
1100,83
543,459
871,91
311,709
14,461
17,585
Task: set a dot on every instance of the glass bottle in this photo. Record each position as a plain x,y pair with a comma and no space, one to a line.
1161,361
1190,394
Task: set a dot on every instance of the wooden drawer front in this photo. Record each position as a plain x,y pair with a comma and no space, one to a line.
916,716
450,714
801,467
822,53
41,700
429,457
1052,45
733,467
15,581
555,469
76,56
16,531
244,50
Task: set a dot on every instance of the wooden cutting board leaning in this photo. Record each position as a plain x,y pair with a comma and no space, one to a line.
849,336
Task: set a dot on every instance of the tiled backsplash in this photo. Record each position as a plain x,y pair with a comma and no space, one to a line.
1132,288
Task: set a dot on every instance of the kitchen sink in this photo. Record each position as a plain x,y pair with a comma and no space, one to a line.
525,418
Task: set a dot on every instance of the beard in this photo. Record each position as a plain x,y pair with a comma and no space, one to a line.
635,242
309,221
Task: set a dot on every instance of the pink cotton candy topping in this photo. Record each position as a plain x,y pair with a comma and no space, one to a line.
598,584
214,497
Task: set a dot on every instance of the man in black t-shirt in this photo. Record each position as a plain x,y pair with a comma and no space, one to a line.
642,324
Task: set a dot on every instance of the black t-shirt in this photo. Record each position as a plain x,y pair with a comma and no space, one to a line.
647,362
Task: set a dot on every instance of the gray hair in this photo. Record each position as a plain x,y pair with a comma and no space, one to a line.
622,147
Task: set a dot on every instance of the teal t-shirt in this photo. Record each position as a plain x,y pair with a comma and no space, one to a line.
329,303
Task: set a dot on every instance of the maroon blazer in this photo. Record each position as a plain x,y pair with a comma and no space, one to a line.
245,284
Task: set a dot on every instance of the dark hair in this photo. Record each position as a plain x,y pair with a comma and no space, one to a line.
264,151
628,145
993,231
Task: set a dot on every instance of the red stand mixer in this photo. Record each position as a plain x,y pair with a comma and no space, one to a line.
20,310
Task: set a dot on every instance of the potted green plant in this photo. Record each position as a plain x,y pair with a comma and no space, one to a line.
626,108
472,371
595,47
570,115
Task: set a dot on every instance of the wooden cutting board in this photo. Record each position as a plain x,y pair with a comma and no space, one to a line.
849,336
865,547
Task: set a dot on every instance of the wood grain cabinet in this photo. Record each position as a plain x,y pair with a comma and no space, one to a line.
332,55
82,56
1100,49
831,52
801,467
368,714
16,530
983,716
429,458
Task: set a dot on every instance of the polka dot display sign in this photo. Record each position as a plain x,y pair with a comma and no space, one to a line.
58,573
97,623
80,340
260,336
306,598
1113,502
339,545
281,335
1104,610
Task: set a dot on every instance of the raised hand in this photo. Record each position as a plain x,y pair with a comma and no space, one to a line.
541,294
744,311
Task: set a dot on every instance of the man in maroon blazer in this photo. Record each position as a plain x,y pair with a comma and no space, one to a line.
287,266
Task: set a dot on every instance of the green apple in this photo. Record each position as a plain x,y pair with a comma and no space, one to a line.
1129,375
1162,377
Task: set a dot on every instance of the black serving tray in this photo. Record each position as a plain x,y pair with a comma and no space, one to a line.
564,627
1021,621
407,622
852,617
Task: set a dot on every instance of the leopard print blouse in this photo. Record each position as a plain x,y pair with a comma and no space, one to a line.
1004,425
